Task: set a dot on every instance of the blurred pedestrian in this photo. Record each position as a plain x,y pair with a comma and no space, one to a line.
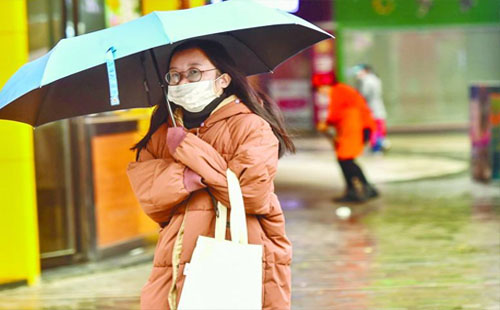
180,172
353,124
370,86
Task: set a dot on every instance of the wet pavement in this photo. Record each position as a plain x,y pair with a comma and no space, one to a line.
432,241
415,248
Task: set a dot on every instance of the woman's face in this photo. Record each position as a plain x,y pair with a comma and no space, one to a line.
185,60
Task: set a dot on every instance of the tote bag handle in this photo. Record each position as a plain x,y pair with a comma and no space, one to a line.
238,221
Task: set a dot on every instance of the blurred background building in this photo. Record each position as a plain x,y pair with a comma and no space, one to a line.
64,194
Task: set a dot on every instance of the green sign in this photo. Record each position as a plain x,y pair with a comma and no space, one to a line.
364,13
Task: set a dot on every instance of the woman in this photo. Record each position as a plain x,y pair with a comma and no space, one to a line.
370,87
349,114
180,171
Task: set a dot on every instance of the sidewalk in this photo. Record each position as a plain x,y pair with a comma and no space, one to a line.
410,158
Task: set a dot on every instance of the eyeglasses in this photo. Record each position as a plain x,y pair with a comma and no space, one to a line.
192,75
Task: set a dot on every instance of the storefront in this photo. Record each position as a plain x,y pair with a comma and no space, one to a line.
86,209
300,86
425,52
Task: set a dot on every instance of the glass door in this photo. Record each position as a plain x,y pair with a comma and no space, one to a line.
56,216
56,213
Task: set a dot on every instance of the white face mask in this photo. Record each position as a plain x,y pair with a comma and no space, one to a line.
193,97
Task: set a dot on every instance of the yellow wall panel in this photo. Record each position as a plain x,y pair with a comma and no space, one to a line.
20,258
11,61
149,6
19,43
12,22
195,3
11,135
18,223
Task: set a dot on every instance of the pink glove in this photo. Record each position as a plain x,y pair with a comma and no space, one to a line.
192,180
175,135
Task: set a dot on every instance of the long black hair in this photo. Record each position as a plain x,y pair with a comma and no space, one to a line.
257,101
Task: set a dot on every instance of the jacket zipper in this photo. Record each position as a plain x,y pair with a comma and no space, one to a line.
176,256
176,259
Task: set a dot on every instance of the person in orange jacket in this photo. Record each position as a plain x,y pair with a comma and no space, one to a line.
351,117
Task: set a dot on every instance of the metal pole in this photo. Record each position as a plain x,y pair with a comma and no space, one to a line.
75,16
64,17
163,87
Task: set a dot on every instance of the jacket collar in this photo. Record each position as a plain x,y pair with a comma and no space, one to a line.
226,110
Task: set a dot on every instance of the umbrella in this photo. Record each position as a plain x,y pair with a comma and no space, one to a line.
120,67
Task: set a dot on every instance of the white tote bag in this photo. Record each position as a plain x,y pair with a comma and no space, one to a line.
225,274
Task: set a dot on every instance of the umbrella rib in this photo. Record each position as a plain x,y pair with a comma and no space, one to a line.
258,57
41,105
158,19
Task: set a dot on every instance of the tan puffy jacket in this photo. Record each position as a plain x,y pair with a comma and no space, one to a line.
232,137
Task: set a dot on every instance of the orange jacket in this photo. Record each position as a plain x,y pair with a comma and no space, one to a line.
232,137
349,114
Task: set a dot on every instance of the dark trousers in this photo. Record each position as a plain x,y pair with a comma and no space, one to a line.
351,170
